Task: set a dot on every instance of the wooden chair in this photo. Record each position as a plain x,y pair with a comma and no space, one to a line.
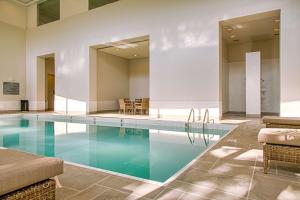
142,107
125,106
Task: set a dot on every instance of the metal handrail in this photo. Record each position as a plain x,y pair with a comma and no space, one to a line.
206,120
206,115
192,111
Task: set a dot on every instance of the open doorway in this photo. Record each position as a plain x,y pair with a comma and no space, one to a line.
49,83
240,38
46,82
122,73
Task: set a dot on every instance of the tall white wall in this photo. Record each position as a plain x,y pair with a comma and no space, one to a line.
113,81
224,77
184,49
139,78
13,13
12,63
70,7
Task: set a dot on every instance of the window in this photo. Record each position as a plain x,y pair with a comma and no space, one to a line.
98,3
48,11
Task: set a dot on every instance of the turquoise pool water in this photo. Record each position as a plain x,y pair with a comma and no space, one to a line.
145,153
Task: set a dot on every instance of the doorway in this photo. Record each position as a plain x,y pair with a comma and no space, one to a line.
259,33
49,83
123,66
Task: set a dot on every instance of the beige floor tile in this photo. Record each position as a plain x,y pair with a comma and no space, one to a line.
116,195
154,193
127,185
229,184
266,187
64,193
202,164
232,169
169,194
201,192
79,178
89,193
187,196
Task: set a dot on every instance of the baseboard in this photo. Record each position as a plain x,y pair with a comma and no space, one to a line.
253,115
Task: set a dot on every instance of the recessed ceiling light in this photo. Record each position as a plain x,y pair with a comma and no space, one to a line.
135,55
276,29
277,20
239,26
229,29
232,36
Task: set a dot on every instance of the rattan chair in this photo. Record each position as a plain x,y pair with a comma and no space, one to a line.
280,144
141,107
125,106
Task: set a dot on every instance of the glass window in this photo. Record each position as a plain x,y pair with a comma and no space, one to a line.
48,11
98,3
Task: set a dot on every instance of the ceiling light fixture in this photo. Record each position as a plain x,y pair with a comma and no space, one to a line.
277,20
135,55
239,26
229,29
232,36
276,29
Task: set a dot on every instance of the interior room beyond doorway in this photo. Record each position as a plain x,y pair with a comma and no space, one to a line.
122,74
244,36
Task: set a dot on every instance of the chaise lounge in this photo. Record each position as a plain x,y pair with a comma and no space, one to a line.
280,140
27,176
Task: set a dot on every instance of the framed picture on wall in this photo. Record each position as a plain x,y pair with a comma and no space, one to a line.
11,88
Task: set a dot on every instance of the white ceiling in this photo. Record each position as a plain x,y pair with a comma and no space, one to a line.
252,28
128,49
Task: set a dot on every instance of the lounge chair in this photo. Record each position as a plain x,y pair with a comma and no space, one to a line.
281,122
280,144
27,176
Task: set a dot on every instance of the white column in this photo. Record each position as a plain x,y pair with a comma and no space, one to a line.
253,95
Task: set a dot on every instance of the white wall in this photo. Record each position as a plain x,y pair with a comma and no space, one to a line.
184,49
70,7
12,63
113,81
139,78
224,76
269,72
13,13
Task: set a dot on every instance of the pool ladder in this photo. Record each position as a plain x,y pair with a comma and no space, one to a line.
205,120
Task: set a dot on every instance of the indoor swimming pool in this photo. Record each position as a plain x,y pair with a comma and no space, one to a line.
152,154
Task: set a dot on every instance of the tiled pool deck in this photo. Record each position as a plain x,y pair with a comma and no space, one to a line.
232,169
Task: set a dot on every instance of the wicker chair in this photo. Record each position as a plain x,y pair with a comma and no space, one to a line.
125,106
25,176
280,145
281,122
141,107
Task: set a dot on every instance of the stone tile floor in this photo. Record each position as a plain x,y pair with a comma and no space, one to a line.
232,169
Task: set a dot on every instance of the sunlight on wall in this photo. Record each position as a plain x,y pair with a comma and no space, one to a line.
60,103
290,109
76,106
63,104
